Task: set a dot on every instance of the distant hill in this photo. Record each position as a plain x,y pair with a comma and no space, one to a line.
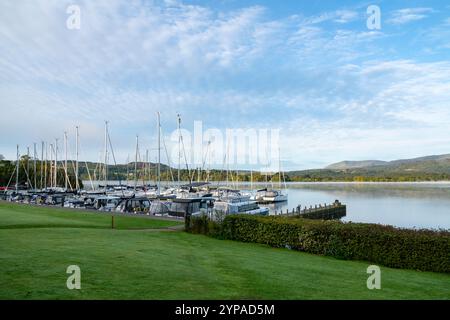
428,159
429,168
422,162
355,164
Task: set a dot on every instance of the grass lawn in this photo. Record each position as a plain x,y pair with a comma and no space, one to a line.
15,216
37,244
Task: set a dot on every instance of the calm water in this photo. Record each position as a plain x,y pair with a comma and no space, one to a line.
403,205
420,205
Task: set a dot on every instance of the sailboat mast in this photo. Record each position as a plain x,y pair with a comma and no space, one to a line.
77,141
65,160
28,165
106,154
46,169
179,149
159,153
228,165
279,167
51,165
56,163
135,162
146,174
35,169
17,169
42,164
128,168
209,165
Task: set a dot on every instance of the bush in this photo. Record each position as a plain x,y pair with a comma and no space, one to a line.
203,225
424,250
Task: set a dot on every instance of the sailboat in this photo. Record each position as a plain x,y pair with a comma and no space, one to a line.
180,190
272,195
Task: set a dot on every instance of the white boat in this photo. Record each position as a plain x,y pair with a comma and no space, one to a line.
123,193
270,196
182,207
273,195
151,194
106,203
238,204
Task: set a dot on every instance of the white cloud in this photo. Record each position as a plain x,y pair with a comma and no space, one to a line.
398,109
338,16
345,16
407,15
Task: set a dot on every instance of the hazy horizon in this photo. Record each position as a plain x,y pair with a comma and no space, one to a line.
174,166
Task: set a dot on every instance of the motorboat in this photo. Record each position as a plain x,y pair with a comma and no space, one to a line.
106,203
239,204
270,196
138,205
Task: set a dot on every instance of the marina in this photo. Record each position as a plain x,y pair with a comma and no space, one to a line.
405,205
132,199
139,196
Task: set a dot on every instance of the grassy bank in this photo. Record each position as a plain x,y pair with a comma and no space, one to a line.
16,216
37,245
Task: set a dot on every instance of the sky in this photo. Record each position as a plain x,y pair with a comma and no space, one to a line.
335,89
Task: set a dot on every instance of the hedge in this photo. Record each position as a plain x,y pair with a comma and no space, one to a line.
425,250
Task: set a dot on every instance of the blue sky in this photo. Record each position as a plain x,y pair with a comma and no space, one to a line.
334,88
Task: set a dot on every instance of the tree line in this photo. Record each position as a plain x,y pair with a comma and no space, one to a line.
148,172
29,177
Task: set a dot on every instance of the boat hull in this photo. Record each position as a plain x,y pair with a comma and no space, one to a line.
279,198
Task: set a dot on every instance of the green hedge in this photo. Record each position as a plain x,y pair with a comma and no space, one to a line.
425,250
203,225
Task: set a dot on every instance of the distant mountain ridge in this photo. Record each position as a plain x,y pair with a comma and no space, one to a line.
346,165
355,164
429,168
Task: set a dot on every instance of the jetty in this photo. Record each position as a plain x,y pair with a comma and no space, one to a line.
333,211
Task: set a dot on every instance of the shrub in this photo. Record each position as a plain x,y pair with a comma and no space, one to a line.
424,250
203,225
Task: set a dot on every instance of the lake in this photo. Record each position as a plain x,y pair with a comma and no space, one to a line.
409,205
419,205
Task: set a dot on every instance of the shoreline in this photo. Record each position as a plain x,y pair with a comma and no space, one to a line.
275,184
